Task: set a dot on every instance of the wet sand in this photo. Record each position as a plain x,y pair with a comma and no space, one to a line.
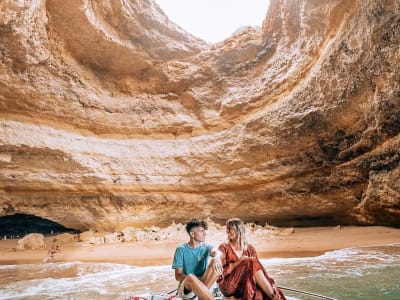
303,242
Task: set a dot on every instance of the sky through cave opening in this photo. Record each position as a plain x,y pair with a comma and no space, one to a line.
215,20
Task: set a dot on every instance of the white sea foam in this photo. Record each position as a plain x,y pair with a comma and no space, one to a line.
342,255
100,279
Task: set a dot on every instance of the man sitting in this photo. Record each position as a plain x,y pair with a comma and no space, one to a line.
192,270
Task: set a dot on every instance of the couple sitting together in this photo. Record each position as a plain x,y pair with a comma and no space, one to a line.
234,265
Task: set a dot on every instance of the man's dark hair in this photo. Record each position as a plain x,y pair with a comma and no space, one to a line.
195,223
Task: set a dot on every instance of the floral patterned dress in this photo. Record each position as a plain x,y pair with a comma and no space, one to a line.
238,278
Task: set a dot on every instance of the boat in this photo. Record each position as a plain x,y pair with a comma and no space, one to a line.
172,295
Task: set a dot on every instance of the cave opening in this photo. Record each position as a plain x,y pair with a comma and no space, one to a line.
202,18
18,225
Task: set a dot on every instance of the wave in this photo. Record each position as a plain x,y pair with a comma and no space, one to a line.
377,252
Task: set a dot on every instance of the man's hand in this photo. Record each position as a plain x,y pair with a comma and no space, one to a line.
217,256
218,266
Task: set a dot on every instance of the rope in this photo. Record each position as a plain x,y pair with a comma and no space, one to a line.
306,293
172,291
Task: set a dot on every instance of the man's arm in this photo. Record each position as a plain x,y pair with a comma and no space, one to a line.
177,264
215,253
179,276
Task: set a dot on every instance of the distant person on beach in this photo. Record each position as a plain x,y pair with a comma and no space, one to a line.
243,275
194,272
50,254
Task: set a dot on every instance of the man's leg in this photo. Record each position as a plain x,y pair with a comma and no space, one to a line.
192,283
209,277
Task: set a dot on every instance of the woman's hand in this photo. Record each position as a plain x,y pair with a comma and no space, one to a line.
242,258
276,295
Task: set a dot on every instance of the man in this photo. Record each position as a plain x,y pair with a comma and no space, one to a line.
191,266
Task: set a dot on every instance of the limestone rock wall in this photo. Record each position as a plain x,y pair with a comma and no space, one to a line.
111,115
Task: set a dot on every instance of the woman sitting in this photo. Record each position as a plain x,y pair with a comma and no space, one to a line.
243,275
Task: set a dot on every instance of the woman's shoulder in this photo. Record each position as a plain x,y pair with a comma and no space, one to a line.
223,245
251,248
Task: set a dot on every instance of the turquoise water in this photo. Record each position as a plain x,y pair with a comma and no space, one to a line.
354,273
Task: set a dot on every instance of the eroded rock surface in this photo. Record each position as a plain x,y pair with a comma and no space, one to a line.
112,116
32,241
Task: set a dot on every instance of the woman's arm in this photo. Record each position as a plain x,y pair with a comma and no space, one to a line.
227,266
222,253
252,251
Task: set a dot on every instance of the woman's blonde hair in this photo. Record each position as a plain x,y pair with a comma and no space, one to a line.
238,226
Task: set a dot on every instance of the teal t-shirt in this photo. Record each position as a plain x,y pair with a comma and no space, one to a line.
192,260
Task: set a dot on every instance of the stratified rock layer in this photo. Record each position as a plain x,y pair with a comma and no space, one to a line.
113,116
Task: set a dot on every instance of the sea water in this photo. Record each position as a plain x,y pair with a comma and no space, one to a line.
353,273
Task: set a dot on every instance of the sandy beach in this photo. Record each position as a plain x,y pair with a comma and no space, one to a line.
300,243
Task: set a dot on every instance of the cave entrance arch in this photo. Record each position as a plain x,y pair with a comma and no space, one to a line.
18,225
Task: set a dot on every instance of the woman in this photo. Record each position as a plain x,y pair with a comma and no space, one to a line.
244,277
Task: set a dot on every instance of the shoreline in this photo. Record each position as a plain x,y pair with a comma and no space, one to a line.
303,242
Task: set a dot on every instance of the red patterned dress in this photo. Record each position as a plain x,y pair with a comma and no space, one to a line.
238,278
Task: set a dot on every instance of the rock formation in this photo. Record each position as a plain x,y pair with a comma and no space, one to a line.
32,241
113,116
